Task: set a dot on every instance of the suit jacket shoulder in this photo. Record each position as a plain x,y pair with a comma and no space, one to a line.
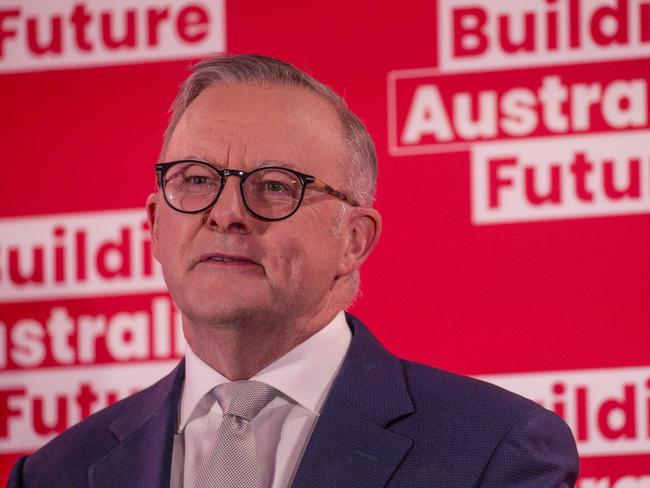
75,456
489,434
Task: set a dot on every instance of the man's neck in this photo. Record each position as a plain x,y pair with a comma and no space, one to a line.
239,352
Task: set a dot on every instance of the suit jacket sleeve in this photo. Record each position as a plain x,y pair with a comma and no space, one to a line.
537,452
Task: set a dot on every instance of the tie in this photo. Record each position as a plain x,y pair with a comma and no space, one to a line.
233,460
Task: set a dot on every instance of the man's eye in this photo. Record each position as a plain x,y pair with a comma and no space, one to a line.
196,180
275,187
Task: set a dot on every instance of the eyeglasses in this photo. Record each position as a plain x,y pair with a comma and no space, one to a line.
269,193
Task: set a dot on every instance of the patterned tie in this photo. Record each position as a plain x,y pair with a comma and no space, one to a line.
233,460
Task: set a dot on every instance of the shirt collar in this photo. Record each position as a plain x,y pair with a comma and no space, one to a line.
199,380
304,374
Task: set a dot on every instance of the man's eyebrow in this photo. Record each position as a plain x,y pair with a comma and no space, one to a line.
196,157
273,162
205,159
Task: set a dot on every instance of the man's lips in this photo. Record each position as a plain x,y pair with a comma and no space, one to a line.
226,259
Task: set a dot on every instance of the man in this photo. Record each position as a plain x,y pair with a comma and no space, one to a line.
261,223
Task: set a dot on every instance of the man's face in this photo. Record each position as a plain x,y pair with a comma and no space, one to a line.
280,271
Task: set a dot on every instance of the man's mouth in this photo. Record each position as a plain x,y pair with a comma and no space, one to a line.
225,259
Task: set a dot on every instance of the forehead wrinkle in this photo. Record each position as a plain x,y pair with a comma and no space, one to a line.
228,148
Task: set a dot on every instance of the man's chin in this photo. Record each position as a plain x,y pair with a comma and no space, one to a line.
224,315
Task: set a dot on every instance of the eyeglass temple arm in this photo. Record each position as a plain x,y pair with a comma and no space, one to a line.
160,174
325,188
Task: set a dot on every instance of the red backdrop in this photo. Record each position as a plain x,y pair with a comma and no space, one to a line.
514,148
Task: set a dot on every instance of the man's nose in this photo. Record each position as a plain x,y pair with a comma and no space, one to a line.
229,214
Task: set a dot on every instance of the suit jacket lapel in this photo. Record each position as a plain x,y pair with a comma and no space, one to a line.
145,434
351,445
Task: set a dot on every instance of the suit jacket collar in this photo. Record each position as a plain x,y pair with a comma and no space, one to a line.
352,444
145,435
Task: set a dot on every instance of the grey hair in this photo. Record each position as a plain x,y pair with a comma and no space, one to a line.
249,68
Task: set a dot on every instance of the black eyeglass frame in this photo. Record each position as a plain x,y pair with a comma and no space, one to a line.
305,179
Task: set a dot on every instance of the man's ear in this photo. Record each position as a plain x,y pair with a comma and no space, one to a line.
153,202
362,231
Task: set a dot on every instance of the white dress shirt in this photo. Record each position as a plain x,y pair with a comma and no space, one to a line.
303,376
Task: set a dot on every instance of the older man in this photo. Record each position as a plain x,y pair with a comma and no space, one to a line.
262,220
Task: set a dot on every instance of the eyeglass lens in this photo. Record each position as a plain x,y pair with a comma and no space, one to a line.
271,193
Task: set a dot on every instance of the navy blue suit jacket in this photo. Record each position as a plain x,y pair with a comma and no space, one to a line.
386,423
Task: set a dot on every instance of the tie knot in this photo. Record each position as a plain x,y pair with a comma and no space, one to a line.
244,398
